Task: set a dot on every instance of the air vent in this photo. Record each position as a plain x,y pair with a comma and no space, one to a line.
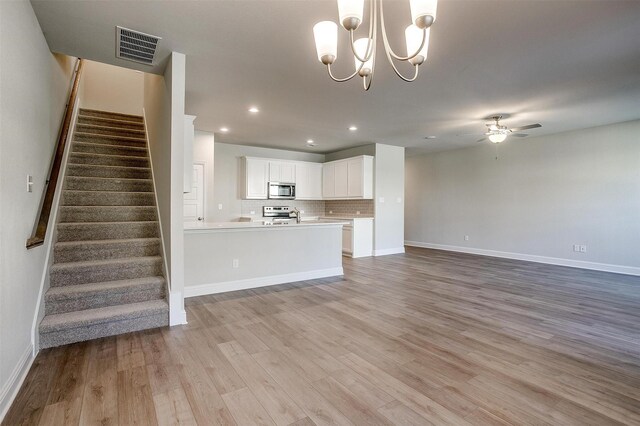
136,46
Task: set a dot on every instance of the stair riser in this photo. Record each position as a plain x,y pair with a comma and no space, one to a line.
106,231
96,148
90,138
97,198
107,172
110,122
117,185
103,299
105,251
75,158
112,131
59,338
107,214
110,115
98,273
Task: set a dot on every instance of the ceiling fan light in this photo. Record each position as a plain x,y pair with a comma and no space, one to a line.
497,137
350,12
326,37
360,46
423,12
413,38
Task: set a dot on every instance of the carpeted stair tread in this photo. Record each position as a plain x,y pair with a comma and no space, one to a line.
110,122
79,231
109,139
119,115
70,320
90,170
71,214
107,293
107,149
88,183
92,271
108,130
71,251
107,198
108,159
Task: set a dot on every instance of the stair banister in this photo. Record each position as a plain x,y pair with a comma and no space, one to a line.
40,228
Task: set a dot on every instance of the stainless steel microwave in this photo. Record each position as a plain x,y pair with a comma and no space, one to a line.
282,191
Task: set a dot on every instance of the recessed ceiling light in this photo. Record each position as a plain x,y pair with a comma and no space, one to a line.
254,109
224,129
353,128
430,137
310,142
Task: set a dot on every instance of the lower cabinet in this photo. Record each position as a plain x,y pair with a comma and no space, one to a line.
357,237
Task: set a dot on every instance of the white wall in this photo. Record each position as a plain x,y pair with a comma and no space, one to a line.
203,152
227,175
164,114
389,200
109,88
34,87
542,196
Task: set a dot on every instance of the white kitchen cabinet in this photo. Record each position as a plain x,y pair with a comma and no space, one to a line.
347,179
308,181
357,236
328,180
256,175
189,136
282,171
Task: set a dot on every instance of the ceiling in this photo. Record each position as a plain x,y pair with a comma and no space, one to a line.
565,64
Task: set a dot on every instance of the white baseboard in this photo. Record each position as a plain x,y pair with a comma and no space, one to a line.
222,287
384,252
177,314
605,267
11,388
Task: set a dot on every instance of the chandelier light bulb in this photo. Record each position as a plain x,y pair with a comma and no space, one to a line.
360,46
497,137
413,38
423,12
350,12
326,36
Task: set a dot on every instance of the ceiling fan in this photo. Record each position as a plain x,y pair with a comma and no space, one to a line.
497,133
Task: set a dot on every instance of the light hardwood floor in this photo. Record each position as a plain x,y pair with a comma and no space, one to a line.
428,337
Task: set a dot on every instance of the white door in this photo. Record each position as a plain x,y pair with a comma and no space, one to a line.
194,200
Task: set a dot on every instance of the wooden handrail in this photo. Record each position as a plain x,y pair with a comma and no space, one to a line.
40,230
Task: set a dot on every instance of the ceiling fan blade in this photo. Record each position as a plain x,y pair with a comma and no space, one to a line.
481,140
469,134
530,126
519,135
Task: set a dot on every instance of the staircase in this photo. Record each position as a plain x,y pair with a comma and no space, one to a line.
107,275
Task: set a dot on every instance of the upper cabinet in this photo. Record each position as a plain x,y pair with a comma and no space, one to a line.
308,181
351,178
256,177
189,136
282,171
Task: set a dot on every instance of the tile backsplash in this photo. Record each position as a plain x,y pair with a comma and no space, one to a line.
310,208
349,207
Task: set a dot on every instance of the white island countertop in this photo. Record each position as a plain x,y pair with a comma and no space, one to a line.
213,226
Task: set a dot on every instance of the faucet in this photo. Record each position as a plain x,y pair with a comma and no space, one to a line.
297,213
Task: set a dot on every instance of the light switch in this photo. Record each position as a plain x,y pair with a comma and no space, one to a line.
29,183
399,200
381,200
220,206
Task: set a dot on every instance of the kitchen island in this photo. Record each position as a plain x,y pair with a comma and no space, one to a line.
221,257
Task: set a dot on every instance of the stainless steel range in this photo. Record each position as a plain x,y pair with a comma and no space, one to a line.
279,215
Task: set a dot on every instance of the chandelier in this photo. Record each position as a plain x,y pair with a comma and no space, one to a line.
423,15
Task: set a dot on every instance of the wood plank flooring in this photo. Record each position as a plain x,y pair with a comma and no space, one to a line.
427,337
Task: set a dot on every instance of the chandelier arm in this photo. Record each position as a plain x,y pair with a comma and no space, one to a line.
395,69
341,80
371,38
387,45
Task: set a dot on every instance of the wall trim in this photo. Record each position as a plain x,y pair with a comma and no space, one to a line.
222,287
604,267
177,313
384,252
14,383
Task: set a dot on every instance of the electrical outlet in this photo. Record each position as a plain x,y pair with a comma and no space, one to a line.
576,247
252,212
330,211
381,199
399,200
357,211
583,249
301,211
220,206
236,263
466,238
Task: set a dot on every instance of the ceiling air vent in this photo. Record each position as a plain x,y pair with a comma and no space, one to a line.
136,46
